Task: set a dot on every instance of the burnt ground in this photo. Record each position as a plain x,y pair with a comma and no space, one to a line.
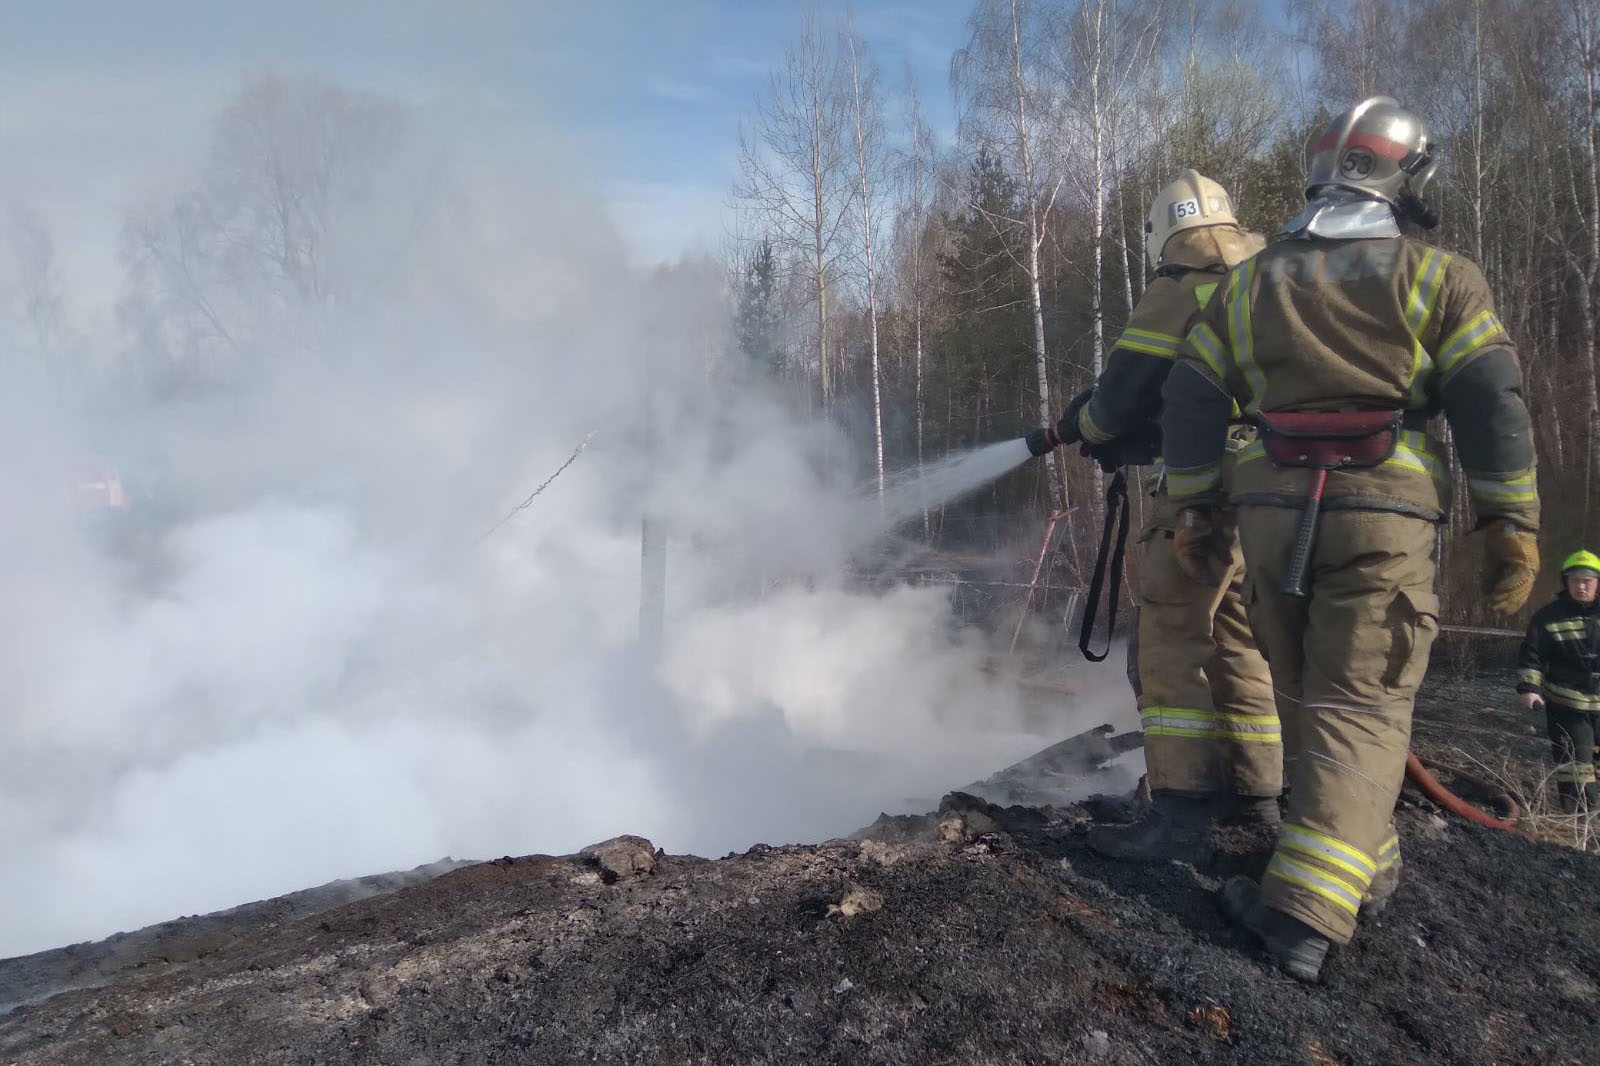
1006,941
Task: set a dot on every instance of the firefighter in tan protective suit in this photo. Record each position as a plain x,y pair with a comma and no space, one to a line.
1212,742
1341,340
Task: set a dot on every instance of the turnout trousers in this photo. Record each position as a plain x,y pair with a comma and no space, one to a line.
1346,664
1572,740
1205,694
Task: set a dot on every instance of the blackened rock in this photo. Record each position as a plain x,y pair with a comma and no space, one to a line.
621,857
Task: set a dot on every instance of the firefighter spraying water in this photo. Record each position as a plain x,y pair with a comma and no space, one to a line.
1212,740
1341,342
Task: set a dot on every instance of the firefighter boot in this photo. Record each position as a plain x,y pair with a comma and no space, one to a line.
1249,810
1567,794
1591,797
1176,825
1296,947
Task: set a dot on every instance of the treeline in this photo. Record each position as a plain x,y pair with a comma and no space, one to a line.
930,295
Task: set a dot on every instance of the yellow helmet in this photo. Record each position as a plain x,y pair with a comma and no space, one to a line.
1191,201
1581,560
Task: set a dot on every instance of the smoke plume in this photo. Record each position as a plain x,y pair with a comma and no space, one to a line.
298,657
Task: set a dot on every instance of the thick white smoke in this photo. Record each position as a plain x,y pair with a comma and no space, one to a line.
307,662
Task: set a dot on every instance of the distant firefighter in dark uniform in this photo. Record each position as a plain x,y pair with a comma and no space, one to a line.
1560,671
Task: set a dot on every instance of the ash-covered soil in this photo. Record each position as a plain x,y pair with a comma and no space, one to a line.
1001,939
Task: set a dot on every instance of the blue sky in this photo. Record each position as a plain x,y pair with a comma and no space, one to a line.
103,104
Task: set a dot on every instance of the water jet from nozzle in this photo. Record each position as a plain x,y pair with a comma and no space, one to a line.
949,479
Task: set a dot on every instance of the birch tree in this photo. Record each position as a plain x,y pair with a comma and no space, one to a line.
795,170
1584,42
37,307
916,246
867,134
1100,50
996,78
269,231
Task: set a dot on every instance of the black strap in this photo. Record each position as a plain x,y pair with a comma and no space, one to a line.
1176,271
1116,514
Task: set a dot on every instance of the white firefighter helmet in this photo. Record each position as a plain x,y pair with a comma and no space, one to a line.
1377,149
1191,201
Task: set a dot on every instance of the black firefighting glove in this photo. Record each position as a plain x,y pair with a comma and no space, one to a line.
1065,431
1201,545
1138,447
1067,427
1510,565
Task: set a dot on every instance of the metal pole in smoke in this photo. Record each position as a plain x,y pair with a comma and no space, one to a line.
652,563
652,584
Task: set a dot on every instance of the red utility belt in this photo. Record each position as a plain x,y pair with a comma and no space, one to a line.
1330,440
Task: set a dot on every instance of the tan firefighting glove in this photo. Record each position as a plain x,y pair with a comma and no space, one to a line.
1510,565
1201,545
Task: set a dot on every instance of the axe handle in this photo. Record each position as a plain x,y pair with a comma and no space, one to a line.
1306,540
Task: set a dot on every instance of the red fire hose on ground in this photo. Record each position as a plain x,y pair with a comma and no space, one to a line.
1418,773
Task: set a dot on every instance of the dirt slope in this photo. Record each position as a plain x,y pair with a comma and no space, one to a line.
1005,942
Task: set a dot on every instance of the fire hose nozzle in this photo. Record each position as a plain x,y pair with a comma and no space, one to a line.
1044,440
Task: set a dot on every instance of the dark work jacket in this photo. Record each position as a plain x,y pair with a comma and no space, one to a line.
1561,654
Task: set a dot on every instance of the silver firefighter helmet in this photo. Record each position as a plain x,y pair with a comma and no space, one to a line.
1378,150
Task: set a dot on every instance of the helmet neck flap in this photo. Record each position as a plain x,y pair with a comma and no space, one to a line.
1341,214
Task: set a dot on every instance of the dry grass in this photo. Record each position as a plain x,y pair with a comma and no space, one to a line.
1536,795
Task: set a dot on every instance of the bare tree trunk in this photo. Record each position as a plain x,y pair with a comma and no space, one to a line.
989,73
1122,245
913,219
819,276
1587,42
1477,131
1097,210
917,325
1058,493
793,171
864,125
1097,207
652,586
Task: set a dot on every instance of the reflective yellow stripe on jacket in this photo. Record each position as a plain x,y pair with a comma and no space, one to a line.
1241,336
1420,303
1205,341
1194,481
1503,488
1149,342
1482,330
1567,629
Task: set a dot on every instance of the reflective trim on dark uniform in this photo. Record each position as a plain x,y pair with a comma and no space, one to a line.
1560,662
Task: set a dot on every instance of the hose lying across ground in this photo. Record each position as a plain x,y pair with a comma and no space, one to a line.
1420,776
